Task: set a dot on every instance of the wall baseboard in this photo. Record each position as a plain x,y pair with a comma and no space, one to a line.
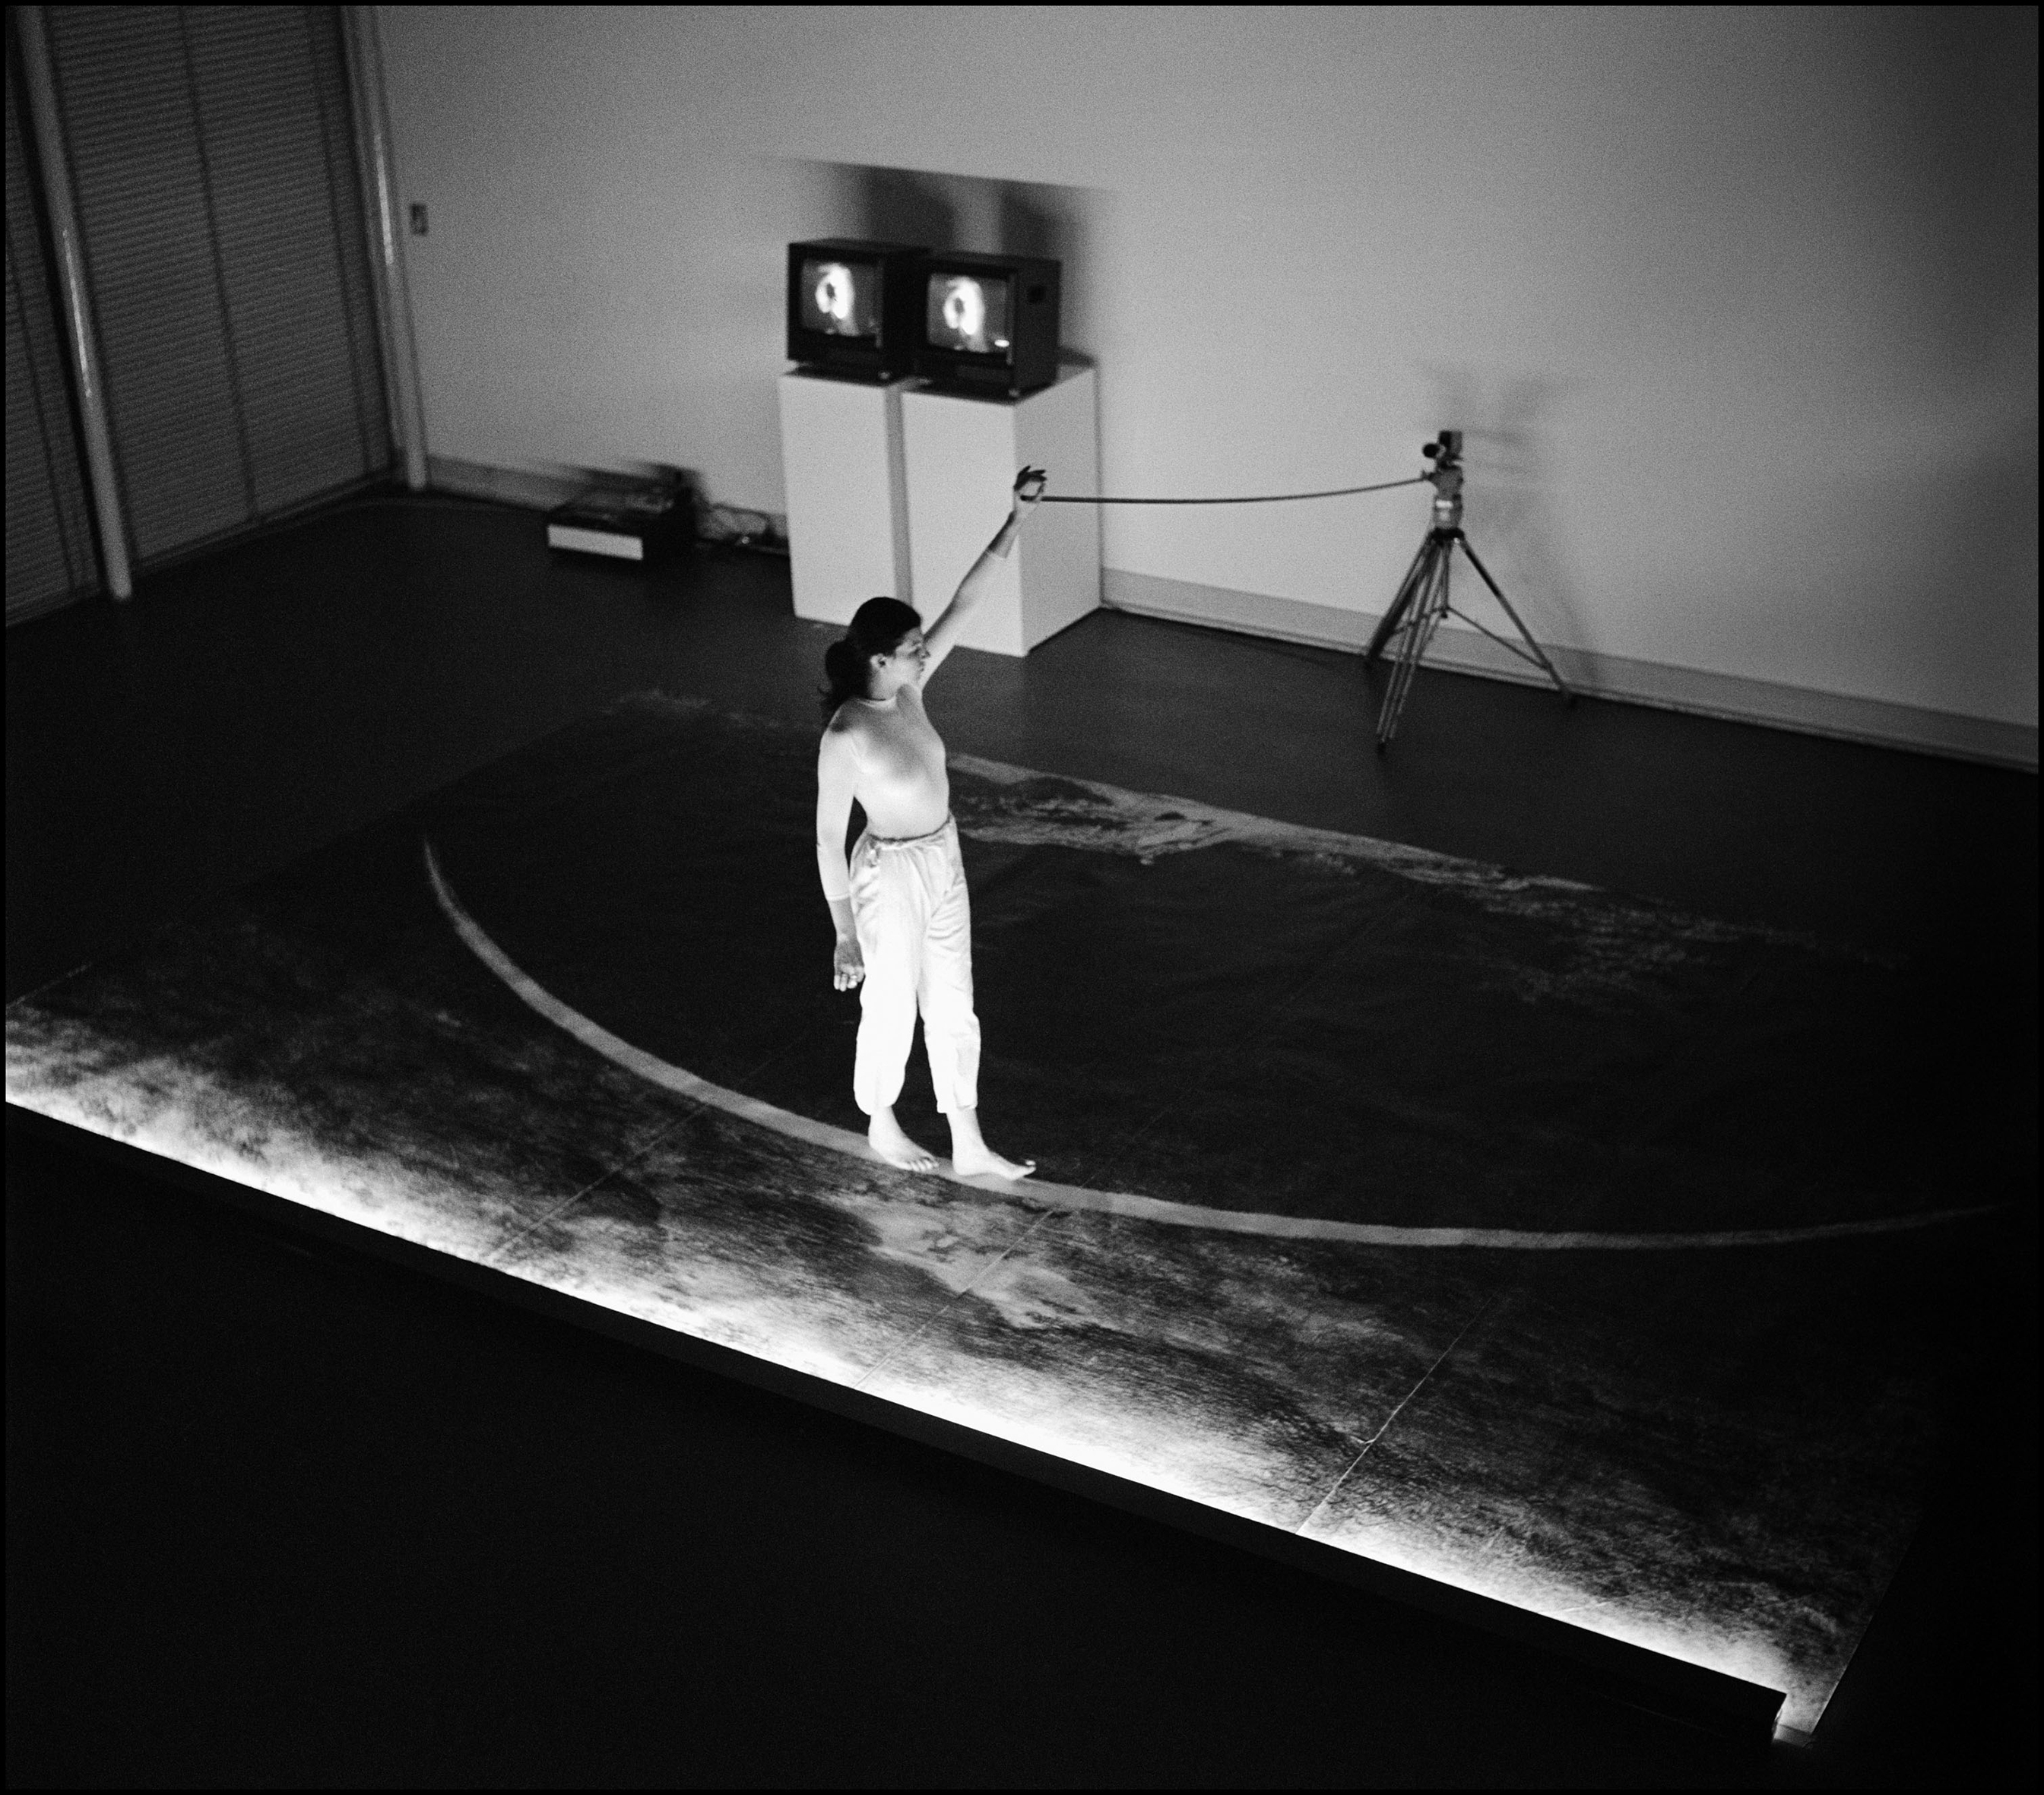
1730,695
531,489
1604,676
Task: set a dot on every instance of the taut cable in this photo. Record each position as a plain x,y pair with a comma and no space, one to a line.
1258,498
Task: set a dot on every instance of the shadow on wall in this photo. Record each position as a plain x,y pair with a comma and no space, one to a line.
1510,429
985,217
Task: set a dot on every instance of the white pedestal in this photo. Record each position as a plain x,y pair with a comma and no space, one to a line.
962,456
847,513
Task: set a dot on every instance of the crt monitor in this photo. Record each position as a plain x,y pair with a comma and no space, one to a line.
989,323
854,307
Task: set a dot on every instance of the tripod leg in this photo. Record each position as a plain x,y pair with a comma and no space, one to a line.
1430,605
1412,643
1384,632
1526,635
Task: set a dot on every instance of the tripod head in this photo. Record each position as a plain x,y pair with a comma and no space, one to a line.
1445,475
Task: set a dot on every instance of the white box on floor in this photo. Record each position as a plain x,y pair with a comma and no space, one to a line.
847,514
962,455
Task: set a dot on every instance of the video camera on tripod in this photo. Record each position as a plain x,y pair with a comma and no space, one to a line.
1446,477
1423,599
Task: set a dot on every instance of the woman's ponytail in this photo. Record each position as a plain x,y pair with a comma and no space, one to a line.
877,627
847,674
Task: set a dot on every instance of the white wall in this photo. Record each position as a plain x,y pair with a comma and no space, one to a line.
1738,307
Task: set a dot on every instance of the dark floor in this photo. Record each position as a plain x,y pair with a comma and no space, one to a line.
280,1513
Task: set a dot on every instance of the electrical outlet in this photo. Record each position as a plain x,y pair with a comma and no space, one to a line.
418,218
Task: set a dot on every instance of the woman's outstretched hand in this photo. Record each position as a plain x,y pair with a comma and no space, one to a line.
847,964
1028,492
1029,485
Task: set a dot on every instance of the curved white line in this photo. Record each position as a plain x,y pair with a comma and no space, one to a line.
1041,1191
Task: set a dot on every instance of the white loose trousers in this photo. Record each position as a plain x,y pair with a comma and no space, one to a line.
909,907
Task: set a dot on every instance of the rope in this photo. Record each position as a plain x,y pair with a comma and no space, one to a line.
1259,498
1159,1210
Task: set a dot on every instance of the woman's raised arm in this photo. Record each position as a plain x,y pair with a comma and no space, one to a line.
942,636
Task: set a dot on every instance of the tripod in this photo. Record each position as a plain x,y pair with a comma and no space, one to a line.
1422,600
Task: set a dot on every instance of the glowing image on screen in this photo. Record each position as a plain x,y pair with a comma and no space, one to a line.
839,298
968,313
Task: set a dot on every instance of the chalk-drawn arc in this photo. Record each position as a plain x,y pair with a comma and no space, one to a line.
1046,1194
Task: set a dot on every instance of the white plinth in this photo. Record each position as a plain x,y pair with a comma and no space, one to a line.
961,457
847,512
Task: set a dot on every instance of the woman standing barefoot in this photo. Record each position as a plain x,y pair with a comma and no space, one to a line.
904,924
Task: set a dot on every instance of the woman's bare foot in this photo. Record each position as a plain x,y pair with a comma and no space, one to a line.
884,1135
970,1155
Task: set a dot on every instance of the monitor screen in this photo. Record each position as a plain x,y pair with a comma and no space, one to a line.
968,312
840,298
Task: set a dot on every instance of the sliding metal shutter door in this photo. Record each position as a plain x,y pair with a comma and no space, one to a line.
225,249
50,555
276,134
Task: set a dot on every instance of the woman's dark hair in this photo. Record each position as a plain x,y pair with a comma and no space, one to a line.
876,627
